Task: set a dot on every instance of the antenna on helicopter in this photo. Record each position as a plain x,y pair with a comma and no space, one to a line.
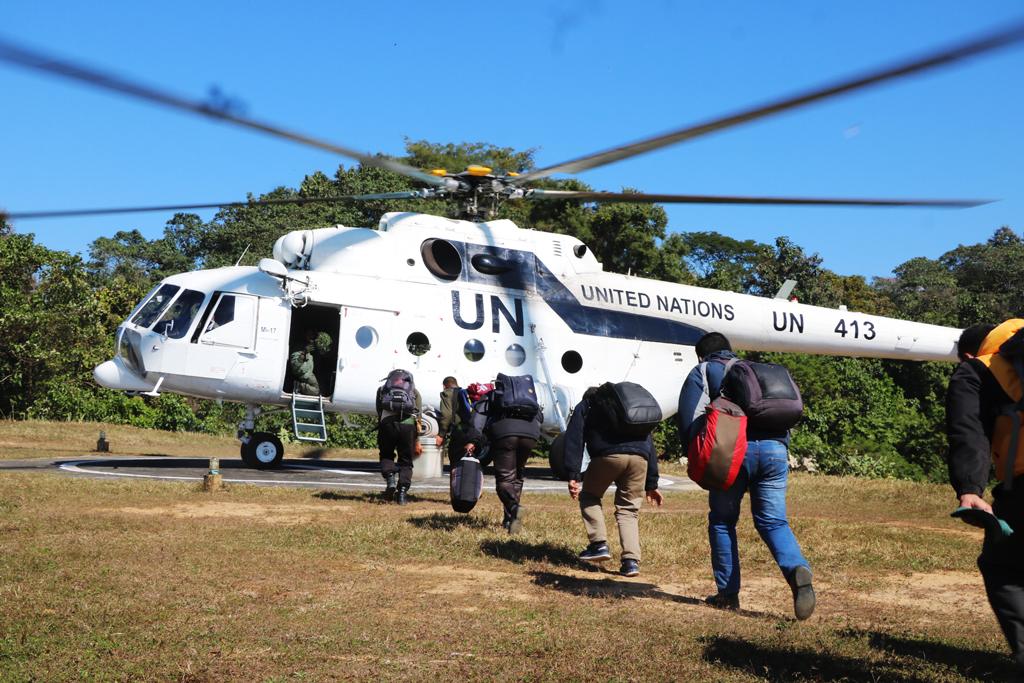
786,289
242,255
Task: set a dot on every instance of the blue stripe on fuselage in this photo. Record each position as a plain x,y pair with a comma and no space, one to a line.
528,273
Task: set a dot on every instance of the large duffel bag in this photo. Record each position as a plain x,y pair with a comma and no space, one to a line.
466,481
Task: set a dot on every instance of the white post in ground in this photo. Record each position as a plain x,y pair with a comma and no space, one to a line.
429,465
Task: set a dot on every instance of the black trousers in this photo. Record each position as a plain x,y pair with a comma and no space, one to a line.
1002,567
509,454
394,436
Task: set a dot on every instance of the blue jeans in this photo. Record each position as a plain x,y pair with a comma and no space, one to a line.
764,472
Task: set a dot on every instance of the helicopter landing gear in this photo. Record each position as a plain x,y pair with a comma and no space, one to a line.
262,450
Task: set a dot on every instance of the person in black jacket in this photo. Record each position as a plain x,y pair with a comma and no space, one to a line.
973,401
510,442
630,463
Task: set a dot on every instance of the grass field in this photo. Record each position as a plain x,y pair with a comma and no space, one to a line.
138,580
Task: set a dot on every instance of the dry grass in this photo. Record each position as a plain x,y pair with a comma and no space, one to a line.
158,581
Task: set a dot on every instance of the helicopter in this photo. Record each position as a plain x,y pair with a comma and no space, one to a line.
470,296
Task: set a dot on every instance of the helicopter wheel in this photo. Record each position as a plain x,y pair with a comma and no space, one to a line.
263,451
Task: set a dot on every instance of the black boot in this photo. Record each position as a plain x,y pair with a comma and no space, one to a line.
803,592
403,495
392,484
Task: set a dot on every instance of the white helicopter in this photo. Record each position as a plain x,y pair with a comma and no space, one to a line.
469,298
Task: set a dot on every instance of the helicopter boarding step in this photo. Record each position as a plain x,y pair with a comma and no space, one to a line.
308,418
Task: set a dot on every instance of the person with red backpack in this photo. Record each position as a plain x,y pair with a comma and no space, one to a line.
398,409
984,410
764,472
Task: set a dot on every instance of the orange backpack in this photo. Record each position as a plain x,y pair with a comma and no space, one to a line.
1002,352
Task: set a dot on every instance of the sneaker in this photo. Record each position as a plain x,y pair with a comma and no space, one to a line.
724,601
515,520
630,568
596,552
803,592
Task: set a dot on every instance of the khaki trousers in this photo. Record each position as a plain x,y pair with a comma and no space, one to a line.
628,473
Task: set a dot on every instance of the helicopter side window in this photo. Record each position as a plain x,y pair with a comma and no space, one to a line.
155,306
233,322
180,314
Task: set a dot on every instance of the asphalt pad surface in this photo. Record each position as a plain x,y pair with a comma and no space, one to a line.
342,474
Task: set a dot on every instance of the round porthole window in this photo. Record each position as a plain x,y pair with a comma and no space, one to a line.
474,349
572,361
515,355
417,343
366,337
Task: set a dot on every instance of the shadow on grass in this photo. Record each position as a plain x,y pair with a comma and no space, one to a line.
448,521
520,552
968,662
374,497
622,588
905,659
315,454
786,664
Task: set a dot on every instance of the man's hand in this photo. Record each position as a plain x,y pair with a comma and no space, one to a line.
418,448
970,500
655,498
439,440
574,489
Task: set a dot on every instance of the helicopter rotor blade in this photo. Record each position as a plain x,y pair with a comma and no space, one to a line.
948,55
65,213
644,198
222,111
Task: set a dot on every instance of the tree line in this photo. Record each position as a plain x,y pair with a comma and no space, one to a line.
869,417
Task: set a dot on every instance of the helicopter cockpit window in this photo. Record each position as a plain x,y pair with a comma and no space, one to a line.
442,259
152,309
232,322
474,349
417,343
179,316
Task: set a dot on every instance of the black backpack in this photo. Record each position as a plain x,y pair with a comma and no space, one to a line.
767,394
398,393
514,396
628,408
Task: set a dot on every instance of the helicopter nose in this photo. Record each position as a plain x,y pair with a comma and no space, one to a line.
112,374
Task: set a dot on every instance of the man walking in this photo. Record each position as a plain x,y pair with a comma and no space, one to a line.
627,461
983,394
512,438
764,473
398,408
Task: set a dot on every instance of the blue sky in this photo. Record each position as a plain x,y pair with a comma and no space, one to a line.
567,77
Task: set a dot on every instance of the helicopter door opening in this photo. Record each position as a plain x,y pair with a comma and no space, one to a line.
307,324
